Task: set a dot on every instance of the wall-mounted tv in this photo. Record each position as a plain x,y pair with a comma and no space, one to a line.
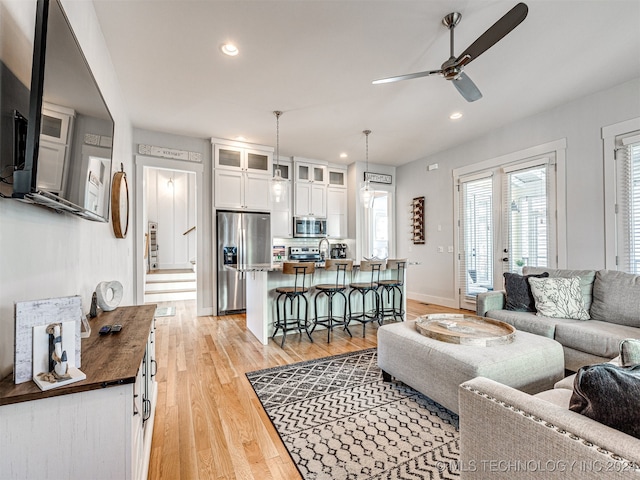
69,129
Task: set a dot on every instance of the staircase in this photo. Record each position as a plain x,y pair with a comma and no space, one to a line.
169,285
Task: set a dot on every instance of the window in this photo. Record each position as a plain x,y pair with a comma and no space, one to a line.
621,144
627,155
377,232
477,234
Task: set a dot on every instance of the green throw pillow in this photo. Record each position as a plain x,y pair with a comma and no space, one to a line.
609,395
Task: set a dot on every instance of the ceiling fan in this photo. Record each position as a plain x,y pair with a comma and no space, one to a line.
452,69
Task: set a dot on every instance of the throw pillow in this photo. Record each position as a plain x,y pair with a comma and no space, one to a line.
609,395
629,352
558,297
519,297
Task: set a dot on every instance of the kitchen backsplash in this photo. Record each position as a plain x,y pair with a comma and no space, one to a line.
284,243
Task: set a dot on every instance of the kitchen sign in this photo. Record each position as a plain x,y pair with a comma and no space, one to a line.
378,177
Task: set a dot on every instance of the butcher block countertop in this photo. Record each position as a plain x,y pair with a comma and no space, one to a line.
106,360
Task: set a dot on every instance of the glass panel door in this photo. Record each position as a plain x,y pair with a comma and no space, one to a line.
526,215
477,236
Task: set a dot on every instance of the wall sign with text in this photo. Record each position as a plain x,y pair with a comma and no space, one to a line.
378,177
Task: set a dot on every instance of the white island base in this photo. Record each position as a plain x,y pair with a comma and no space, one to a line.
262,280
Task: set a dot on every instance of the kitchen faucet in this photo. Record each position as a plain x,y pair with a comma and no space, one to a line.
323,254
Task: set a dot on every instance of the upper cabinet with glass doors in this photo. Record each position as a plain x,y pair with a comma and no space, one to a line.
241,176
243,158
310,198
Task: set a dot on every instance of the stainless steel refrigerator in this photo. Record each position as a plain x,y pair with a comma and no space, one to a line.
243,239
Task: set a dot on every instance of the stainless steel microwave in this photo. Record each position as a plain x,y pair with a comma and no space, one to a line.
309,227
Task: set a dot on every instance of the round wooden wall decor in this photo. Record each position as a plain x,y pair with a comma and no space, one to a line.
120,204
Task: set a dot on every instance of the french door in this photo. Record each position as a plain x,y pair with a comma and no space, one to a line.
506,221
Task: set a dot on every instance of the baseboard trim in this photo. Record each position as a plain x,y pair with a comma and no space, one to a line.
442,301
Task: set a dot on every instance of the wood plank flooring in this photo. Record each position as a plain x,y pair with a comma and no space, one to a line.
209,423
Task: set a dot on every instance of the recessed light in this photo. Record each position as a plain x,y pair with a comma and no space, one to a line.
229,49
455,116
240,138
343,155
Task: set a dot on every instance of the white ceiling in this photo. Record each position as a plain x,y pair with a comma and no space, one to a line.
315,61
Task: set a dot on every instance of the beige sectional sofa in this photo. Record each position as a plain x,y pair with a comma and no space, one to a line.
612,299
507,434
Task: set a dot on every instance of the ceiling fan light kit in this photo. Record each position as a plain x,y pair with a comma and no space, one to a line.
452,68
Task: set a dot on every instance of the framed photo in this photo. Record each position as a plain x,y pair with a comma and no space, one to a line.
378,177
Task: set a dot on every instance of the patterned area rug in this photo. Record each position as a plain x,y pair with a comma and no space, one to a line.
340,420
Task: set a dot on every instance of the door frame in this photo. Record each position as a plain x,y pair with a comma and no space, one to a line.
142,162
557,149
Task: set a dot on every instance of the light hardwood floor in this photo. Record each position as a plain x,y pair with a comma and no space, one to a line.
209,423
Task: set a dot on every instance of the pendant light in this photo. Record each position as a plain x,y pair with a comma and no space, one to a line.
278,184
366,192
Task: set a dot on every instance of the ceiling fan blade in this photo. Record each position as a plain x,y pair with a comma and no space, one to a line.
496,32
408,76
467,88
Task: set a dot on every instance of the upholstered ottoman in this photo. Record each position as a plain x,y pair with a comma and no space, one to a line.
531,363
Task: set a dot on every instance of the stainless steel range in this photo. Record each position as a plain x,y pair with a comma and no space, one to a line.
305,254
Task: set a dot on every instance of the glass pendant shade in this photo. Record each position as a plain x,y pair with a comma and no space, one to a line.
278,188
366,194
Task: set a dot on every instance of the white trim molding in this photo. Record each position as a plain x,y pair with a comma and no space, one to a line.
609,134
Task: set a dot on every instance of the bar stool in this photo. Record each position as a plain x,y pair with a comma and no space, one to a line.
331,290
391,286
365,289
297,292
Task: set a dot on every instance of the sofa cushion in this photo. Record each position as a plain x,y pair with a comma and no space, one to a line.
629,352
518,291
587,278
558,297
609,395
529,322
593,336
616,298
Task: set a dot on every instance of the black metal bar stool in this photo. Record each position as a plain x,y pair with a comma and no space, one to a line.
297,292
365,289
391,287
331,290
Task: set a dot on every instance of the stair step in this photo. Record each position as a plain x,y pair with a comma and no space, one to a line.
170,277
156,297
170,286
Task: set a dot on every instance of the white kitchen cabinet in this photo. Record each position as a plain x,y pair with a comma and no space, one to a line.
310,200
241,176
98,428
310,188
281,222
241,190
337,212
337,176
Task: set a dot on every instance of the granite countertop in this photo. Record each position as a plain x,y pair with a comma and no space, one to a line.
263,267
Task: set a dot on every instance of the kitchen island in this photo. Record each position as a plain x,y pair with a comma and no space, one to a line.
262,280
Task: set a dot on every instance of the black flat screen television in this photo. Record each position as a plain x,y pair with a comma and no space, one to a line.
69,132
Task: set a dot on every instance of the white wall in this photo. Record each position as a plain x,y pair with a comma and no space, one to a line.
579,122
170,201
44,254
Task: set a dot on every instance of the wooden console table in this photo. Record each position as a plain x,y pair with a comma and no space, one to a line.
100,427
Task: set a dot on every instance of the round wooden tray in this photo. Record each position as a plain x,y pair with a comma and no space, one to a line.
466,329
